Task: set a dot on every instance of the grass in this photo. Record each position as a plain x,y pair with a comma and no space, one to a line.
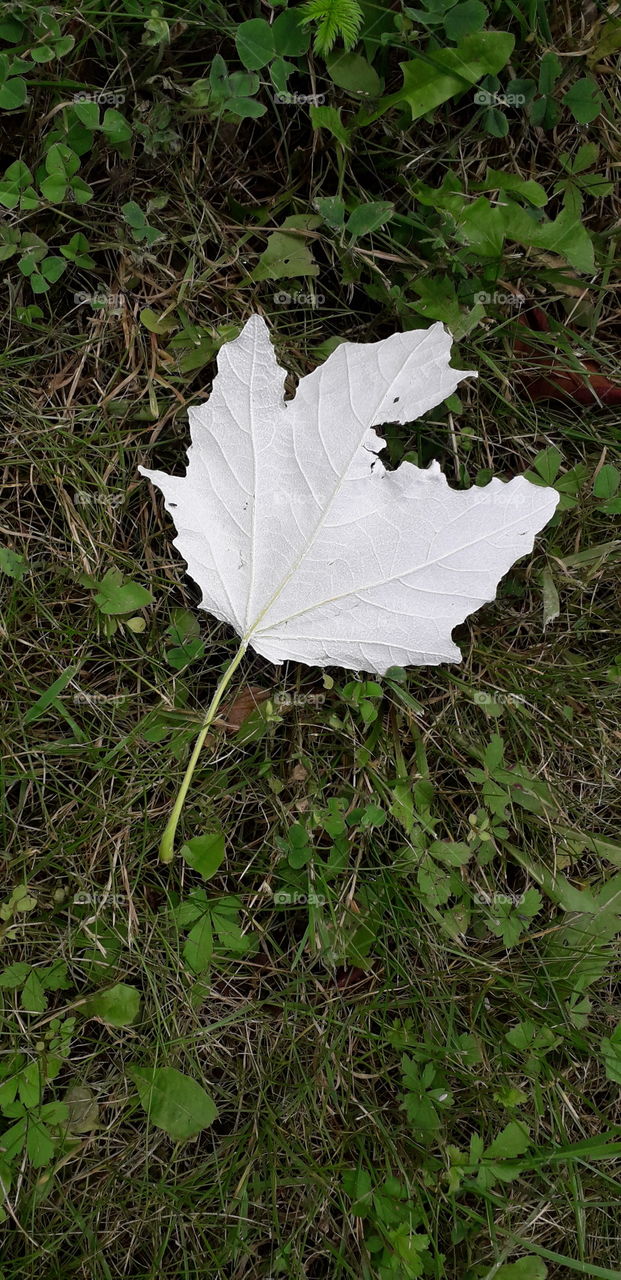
357,1047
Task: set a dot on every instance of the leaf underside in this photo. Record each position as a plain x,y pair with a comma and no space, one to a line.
301,539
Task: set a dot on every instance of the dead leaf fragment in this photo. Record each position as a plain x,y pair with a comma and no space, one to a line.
83,1109
246,700
545,378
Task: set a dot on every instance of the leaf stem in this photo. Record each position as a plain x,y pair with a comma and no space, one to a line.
167,843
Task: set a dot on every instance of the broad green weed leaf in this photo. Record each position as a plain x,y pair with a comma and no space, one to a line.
357,1184
14,975
115,126
87,113
301,539
53,269
12,30
352,72
331,208
526,188
513,1141
531,1268
118,1006
13,563
155,323
225,920
117,597
464,19
368,217
288,254
205,853
184,632
584,100
606,482
255,43
611,1053
33,998
439,74
280,70
330,118
198,948
245,108
550,69
174,1102
39,1144
13,94
547,464
291,40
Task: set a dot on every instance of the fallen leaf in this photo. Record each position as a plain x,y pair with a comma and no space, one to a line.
551,602
301,539
83,1109
351,977
555,382
239,708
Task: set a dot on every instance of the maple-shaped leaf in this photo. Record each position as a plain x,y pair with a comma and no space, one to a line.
300,538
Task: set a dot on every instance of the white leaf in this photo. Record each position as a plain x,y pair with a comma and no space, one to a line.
300,538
